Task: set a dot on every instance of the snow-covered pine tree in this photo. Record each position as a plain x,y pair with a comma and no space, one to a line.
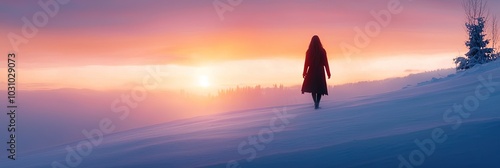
478,53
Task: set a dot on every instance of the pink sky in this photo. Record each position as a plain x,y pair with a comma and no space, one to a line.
259,42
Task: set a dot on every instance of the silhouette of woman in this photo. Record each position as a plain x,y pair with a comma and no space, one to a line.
314,71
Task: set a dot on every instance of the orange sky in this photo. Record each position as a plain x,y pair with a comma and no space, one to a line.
258,42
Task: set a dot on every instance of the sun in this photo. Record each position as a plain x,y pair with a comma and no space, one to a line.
203,81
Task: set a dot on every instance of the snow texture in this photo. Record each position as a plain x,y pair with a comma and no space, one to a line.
382,130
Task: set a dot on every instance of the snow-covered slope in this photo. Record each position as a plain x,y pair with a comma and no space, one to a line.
448,122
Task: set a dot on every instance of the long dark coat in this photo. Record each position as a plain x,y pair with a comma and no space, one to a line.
314,69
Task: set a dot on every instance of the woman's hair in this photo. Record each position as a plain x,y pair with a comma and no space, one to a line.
315,44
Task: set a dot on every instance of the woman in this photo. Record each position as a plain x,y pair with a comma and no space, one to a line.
314,72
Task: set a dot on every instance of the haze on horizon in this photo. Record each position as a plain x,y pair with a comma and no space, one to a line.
107,45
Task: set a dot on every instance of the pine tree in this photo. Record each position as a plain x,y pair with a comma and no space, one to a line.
478,53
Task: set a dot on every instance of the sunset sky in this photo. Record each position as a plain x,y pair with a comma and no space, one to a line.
108,44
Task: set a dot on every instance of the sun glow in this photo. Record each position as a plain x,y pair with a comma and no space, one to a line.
203,81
